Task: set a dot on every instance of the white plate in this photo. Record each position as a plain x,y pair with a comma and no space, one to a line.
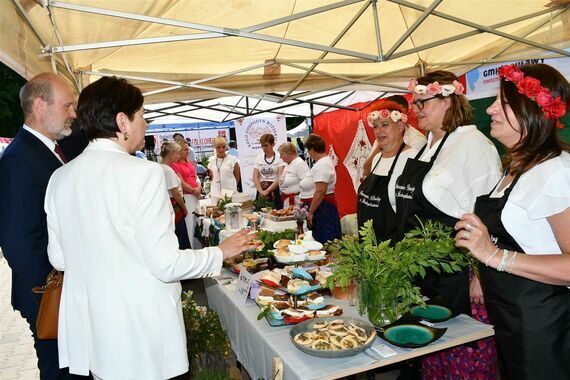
298,249
316,257
290,259
312,245
275,244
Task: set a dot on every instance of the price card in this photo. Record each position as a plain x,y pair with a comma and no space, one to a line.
244,283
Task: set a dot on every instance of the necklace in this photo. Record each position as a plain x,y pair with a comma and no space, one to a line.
219,174
267,162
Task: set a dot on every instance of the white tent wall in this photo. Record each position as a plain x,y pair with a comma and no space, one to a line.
276,51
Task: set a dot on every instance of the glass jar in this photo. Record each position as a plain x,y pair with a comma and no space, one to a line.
233,216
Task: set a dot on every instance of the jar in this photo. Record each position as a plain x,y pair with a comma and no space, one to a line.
233,216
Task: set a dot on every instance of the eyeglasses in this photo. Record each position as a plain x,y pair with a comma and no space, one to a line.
420,102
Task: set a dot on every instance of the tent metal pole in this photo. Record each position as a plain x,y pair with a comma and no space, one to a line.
232,109
484,28
336,76
211,78
312,119
324,54
412,28
468,34
207,28
155,80
377,29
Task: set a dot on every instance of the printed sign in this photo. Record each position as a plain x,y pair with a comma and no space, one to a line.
244,283
248,132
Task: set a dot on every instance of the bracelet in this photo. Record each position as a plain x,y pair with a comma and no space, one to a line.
504,260
491,257
511,264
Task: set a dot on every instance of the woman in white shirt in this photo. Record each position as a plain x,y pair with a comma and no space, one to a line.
267,171
120,315
442,183
293,173
376,194
223,169
317,192
527,216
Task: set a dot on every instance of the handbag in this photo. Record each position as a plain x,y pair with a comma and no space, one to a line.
46,324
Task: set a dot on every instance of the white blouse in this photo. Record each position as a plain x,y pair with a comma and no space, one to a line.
172,180
467,166
384,167
222,174
290,180
268,168
322,171
541,192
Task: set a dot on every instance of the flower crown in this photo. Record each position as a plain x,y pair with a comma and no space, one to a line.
553,108
435,88
387,111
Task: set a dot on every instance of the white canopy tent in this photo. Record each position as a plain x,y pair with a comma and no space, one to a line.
272,54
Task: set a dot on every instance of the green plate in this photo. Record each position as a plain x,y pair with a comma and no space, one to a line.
410,335
432,313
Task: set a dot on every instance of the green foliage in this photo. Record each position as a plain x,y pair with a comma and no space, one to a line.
222,202
260,203
387,272
11,116
204,161
269,238
212,374
204,331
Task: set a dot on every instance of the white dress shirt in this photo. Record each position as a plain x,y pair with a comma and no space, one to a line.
467,166
322,171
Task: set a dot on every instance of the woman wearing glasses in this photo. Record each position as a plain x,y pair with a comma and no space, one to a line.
441,183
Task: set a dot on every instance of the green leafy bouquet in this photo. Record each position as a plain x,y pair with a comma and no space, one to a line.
386,273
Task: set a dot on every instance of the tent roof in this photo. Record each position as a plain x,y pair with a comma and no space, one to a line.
278,52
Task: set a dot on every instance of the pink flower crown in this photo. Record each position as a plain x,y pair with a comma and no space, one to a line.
385,114
435,88
553,108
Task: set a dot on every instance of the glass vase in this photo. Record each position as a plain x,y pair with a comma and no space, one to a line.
379,304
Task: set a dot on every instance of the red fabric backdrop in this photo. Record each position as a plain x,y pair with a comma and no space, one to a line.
339,128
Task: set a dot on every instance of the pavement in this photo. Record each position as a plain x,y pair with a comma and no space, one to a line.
18,359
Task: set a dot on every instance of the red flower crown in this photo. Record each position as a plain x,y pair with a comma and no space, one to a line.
553,108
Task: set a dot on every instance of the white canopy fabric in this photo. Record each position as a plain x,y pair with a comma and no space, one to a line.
275,52
300,130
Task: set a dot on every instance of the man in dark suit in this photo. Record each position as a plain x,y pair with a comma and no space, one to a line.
26,166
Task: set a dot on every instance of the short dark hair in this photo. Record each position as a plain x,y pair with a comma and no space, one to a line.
539,136
267,138
101,101
460,111
315,142
401,100
174,136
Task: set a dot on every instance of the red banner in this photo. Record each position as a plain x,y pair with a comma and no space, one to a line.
339,128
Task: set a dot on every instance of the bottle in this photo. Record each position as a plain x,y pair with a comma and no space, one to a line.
207,185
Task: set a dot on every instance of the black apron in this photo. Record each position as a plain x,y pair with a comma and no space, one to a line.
532,319
374,203
411,203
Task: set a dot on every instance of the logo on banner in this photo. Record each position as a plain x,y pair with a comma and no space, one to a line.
222,134
256,129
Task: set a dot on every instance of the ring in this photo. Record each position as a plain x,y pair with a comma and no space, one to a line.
467,235
469,227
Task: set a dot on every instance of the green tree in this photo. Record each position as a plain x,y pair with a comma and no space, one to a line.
11,117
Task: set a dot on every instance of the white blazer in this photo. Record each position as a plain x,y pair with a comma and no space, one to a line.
111,230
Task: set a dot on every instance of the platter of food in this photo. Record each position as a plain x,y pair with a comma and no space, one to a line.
288,251
282,215
252,265
333,337
282,309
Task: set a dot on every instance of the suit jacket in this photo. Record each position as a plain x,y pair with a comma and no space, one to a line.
111,228
25,169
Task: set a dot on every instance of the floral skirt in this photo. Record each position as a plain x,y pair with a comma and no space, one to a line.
474,361
326,222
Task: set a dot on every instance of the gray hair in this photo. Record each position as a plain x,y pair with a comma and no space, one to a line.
42,88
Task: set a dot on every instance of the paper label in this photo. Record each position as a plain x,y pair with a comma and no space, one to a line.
244,283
